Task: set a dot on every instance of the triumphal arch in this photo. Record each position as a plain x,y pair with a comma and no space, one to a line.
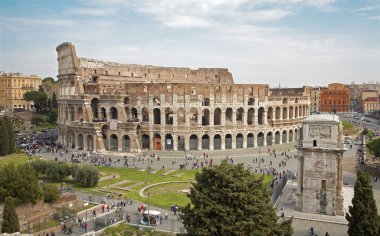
320,153
113,107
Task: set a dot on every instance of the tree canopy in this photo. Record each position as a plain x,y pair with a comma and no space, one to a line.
229,200
39,98
362,217
10,218
49,79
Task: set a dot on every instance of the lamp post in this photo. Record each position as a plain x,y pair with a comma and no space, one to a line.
86,204
148,193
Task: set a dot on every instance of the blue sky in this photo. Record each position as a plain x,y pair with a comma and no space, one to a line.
286,42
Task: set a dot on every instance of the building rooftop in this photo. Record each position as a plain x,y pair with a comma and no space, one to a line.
322,117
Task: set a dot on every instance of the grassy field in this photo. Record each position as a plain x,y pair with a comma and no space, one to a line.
124,229
15,158
349,128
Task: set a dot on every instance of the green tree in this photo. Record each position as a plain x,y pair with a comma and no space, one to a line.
11,134
39,98
51,192
54,100
4,138
86,175
362,217
229,200
374,147
10,218
49,79
53,116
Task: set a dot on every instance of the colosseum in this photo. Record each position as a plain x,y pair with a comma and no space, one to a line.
112,107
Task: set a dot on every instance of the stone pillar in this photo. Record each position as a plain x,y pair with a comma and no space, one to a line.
211,122
339,191
265,117
175,141
211,142
151,140
244,140
233,141
84,142
222,142
281,113
120,144
187,118
255,141
199,118
223,118
199,143
299,193
234,118
245,118
186,142
265,140
163,117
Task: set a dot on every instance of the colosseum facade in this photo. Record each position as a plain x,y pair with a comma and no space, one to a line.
106,106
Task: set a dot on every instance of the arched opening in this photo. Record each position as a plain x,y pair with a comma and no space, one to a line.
228,143
103,113
168,142
206,102
270,114
290,135
134,113
72,113
278,113
251,101
113,112
114,142
261,116
90,143
205,117
156,101
193,116
193,142
239,140
285,101
217,116
157,141
80,114
250,140
260,139
145,141
95,107
126,143
229,115
72,140
181,143
105,135
128,113
127,101
157,116
291,112
269,138
80,142
284,136
251,116
169,116
295,135
301,112
205,142
217,142
145,114
285,113
239,114
296,112
277,137
181,118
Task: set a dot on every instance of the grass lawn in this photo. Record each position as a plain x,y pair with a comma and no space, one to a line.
349,128
124,229
15,158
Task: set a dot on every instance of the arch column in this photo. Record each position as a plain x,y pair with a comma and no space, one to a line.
211,121
244,141
139,114
84,142
163,117
175,141
265,140
211,142
187,119
199,118
255,141
281,113
233,137
199,142
265,118
223,119
151,147
245,117
233,120
222,142
120,143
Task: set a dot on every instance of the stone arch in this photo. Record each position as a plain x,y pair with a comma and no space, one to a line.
206,117
128,113
278,113
205,142
251,101
145,114
156,116
269,138
260,116
284,113
113,113
217,142
250,140
134,113
169,142
181,116
270,114
157,141
72,113
193,116
239,141
228,141
291,110
169,116
105,131
205,102
296,112
240,114
229,112
300,111
126,143
103,113
114,142
285,101
284,136
80,114
290,135
277,137
80,142
251,116
127,101
260,139
90,143
181,143
193,142
72,139
217,116
145,141
295,134
95,108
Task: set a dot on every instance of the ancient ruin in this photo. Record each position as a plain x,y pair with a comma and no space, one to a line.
320,153
106,106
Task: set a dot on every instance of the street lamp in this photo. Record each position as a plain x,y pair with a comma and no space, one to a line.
86,204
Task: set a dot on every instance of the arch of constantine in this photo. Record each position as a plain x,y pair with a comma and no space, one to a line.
127,107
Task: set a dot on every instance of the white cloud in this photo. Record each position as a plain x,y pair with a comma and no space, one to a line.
374,17
268,15
33,21
92,11
367,8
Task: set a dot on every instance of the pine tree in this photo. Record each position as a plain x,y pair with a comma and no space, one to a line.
11,134
229,200
4,138
362,217
10,218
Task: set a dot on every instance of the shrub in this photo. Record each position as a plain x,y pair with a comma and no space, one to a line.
87,176
374,147
51,193
38,119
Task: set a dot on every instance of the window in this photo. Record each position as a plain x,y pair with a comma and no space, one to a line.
193,91
119,73
314,143
324,187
